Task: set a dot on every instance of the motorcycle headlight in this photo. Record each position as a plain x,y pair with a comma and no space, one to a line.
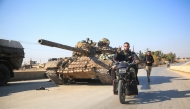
122,70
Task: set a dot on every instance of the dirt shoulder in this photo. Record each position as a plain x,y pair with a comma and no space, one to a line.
185,74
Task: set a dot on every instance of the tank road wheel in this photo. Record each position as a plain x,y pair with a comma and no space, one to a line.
54,77
4,74
64,80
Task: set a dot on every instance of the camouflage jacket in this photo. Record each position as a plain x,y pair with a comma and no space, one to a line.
126,56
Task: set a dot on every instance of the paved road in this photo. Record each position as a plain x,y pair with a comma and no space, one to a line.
167,90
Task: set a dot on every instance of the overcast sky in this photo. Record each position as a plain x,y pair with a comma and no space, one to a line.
154,24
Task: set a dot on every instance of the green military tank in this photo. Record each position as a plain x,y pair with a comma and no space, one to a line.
89,60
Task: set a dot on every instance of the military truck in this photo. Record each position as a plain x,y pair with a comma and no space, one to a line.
89,60
11,58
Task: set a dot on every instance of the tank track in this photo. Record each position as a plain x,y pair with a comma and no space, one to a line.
51,74
104,77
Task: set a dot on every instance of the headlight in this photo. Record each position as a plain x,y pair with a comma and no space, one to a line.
122,70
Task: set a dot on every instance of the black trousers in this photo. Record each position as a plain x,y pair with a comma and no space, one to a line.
136,71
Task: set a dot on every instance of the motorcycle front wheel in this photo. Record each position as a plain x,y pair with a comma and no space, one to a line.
121,92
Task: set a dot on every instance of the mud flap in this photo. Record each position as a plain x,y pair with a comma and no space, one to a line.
115,87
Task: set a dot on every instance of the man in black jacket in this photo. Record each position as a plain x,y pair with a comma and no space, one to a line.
129,56
148,61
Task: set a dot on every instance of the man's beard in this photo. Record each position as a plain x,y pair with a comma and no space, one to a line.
126,50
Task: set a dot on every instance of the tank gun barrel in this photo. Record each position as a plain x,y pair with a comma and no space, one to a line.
57,45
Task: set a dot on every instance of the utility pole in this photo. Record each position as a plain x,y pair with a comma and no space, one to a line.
147,49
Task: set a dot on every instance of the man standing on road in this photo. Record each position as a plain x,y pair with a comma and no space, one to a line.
148,61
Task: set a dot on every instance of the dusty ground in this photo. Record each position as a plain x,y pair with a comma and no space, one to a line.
167,90
188,64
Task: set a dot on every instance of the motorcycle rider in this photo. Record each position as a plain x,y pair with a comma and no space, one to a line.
128,56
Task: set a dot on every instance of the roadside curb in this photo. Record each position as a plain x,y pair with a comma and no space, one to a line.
28,75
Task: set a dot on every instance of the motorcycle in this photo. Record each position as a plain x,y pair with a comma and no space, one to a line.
168,65
125,84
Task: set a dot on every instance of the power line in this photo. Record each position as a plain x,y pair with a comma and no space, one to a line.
33,43
42,50
35,58
29,42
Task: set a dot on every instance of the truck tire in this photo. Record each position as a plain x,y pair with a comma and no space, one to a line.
4,74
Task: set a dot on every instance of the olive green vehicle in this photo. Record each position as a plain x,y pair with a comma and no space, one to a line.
89,60
11,58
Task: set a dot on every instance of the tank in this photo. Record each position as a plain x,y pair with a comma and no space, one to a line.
89,60
11,58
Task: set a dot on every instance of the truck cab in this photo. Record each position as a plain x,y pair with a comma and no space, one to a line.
11,58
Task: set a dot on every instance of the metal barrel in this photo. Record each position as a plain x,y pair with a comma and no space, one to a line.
57,45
